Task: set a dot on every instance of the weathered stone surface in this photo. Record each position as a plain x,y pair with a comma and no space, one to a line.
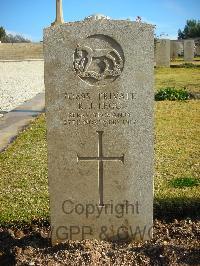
59,13
163,53
189,50
180,47
96,17
175,48
197,50
99,103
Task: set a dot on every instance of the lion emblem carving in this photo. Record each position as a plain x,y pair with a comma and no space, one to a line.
96,65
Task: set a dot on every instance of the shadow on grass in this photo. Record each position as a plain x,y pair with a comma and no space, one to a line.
185,66
177,208
164,209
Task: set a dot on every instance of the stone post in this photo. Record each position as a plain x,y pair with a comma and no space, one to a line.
59,13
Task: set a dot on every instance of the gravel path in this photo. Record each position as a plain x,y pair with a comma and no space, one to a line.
19,82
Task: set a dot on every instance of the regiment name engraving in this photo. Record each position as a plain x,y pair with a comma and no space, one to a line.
103,108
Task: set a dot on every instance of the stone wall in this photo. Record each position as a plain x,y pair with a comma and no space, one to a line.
21,51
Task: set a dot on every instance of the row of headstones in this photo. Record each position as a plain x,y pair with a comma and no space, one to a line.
167,50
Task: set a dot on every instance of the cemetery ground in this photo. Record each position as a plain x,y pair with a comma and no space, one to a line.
24,202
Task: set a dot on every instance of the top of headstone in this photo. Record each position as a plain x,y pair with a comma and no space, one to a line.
96,17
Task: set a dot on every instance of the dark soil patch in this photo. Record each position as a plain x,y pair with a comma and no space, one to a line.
174,243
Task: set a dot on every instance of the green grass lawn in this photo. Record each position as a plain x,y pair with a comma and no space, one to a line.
23,166
179,78
177,153
23,176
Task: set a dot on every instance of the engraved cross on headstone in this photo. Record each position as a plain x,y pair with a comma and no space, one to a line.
100,158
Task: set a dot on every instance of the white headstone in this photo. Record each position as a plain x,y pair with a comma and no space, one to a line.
188,50
163,53
99,104
174,49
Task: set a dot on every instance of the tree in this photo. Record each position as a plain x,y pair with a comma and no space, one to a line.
15,39
191,30
2,34
9,38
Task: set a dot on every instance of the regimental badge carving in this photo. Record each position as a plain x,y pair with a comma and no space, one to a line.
98,60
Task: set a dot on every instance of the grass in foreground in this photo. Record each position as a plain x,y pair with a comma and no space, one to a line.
23,167
178,78
23,176
177,154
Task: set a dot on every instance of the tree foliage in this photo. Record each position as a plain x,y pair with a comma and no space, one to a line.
15,39
2,33
191,30
10,38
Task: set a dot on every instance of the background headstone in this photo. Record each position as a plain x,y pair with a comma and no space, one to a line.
174,49
99,104
163,53
197,47
188,50
180,47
